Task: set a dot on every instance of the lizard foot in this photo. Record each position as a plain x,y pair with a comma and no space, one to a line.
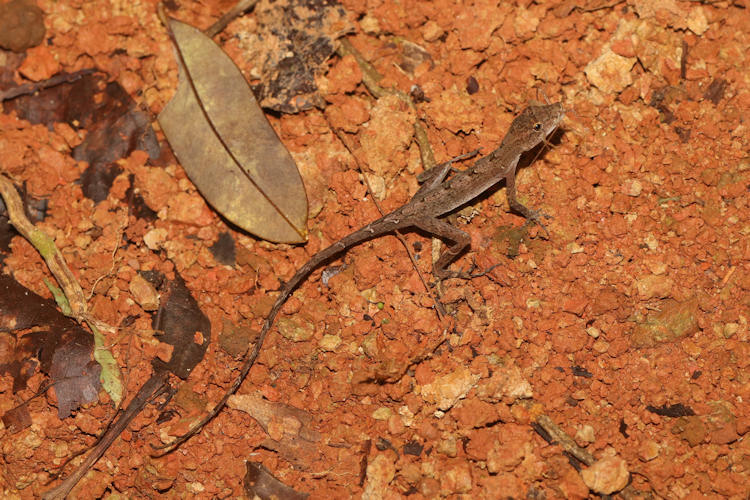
535,217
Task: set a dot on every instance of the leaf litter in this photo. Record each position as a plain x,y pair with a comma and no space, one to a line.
183,326
69,296
289,48
57,345
260,482
291,431
597,242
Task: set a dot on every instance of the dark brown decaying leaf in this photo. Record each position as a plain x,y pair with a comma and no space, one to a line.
184,326
293,41
137,205
715,91
226,145
261,483
118,128
76,376
69,102
64,350
115,125
223,250
674,411
17,419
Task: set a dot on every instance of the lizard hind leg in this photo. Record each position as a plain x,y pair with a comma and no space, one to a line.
445,231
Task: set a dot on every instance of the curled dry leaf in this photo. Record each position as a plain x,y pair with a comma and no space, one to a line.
290,429
226,145
259,482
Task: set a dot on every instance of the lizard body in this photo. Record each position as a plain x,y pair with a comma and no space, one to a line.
435,197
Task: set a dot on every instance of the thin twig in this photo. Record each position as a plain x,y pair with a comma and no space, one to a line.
239,8
31,88
566,442
569,445
154,385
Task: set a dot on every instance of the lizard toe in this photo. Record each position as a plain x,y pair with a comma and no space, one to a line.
536,219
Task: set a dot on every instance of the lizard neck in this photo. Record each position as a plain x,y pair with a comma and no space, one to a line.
507,153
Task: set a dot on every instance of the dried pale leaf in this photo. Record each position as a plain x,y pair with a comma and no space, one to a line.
290,429
226,145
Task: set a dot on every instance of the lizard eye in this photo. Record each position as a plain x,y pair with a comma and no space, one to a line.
537,127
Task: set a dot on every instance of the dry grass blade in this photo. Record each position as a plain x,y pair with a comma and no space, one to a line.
74,298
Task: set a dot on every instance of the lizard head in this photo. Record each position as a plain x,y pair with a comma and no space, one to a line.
533,125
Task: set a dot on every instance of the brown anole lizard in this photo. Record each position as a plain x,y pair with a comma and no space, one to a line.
437,196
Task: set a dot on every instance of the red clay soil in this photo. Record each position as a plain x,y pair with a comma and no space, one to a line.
628,327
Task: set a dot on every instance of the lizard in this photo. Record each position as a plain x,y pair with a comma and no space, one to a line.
436,197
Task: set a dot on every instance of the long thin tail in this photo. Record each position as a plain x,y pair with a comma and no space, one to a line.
378,227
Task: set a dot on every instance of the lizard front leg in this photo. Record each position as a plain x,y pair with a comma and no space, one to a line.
434,176
530,214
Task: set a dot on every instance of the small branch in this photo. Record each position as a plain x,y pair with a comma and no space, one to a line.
155,385
566,442
569,446
45,246
31,88
239,8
